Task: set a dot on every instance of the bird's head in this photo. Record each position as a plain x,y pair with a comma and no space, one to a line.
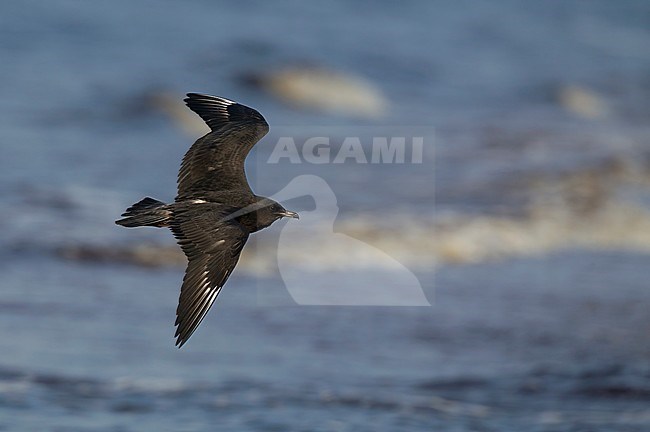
268,211
279,212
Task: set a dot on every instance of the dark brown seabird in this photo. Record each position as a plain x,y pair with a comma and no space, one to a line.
215,210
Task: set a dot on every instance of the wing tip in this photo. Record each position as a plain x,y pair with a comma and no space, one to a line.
216,110
180,337
192,97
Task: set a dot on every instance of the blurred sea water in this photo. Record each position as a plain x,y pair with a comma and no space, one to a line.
526,222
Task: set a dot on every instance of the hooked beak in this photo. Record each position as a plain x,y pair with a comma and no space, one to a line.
289,214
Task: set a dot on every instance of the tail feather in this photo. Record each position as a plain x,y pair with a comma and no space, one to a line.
146,212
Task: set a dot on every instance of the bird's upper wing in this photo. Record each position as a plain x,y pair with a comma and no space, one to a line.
212,246
216,160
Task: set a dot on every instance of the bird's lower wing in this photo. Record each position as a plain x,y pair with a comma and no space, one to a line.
213,248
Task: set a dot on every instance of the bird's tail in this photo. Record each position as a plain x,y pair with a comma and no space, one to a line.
147,212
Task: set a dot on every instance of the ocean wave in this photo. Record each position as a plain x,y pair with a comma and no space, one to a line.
495,399
598,208
450,239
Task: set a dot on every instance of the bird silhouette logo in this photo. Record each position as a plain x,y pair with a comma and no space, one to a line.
357,274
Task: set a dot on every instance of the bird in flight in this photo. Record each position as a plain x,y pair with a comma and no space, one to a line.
215,209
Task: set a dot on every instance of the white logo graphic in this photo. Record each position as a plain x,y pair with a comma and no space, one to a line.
356,272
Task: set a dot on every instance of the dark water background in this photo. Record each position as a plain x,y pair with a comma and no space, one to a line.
547,336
